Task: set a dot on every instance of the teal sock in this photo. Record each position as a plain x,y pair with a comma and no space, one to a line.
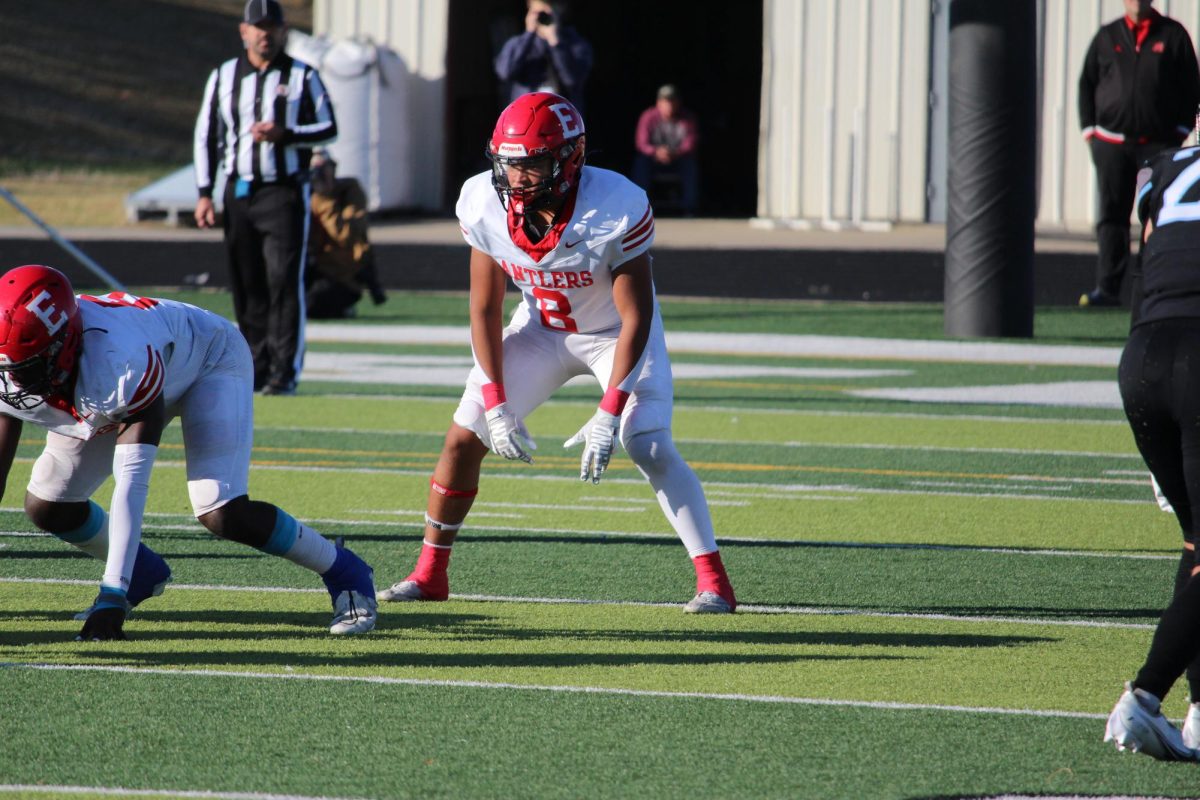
300,544
92,536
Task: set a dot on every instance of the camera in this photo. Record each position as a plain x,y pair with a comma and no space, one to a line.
545,18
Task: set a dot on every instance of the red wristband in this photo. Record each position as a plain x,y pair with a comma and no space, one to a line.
614,401
493,395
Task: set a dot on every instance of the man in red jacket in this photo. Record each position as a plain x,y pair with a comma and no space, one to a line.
1138,96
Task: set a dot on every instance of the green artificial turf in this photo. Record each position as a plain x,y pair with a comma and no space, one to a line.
967,559
1052,324
294,737
490,740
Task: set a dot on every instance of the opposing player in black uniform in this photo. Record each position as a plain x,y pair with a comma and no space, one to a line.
1160,386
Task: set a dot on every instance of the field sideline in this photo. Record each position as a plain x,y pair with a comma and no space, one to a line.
947,554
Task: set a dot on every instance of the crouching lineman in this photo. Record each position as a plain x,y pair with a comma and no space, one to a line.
576,241
105,375
1159,376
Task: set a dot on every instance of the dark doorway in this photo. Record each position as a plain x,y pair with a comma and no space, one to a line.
711,51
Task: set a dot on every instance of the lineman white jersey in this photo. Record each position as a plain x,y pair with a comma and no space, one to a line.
134,350
566,277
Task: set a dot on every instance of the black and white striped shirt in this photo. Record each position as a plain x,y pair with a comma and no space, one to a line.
289,93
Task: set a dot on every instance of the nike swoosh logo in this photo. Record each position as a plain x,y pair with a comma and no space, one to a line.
572,244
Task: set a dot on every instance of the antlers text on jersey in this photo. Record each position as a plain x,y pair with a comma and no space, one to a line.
547,279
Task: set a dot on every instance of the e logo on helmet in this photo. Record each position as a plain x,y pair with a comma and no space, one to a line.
45,312
572,125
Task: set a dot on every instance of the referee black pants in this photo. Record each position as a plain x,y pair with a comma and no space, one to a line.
1159,376
1116,178
266,234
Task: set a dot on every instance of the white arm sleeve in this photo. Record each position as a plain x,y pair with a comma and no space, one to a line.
132,464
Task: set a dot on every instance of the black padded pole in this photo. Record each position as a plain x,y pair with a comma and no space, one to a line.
992,152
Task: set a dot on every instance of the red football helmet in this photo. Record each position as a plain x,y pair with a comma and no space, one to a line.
538,126
40,332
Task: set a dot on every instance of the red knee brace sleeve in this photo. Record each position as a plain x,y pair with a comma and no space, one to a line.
448,492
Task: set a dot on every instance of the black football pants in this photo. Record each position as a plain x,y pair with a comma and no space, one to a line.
265,237
1159,378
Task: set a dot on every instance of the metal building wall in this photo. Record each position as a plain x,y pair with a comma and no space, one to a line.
815,167
417,31
845,111
845,132
1067,183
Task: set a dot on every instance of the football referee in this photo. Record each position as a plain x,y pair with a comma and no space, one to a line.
262,114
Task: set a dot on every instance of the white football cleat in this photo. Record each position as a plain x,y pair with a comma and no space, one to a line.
1191,726
353,612
404,591
1137,724
707,603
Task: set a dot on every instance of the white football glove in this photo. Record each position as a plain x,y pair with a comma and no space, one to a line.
1161,498
509,436
600,438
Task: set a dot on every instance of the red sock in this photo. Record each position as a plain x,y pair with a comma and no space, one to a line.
430,572
711,577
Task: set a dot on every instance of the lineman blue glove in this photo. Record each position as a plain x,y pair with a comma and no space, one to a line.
599,438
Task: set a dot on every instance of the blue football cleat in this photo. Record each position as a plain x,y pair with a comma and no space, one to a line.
351,586
151,574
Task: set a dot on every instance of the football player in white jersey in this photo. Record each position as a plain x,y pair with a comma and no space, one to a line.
575,240
105,375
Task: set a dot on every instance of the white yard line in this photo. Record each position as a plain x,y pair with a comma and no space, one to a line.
965,485
746,540
750,486
807,611
526,687
1049,480
768,495
417,370
1016,451
451,402
40,788
921,448
787,345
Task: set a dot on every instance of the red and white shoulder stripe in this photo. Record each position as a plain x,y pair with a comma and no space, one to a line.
151,384
641,232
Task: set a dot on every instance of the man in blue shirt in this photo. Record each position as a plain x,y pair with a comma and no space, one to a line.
550,56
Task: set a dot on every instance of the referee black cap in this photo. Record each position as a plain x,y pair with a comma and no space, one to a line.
259,11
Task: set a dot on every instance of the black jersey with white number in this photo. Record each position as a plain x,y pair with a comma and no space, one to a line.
1169,197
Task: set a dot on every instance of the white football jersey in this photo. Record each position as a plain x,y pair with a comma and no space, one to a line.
566,278
134,349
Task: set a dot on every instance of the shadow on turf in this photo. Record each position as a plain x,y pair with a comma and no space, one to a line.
1038,612
480,534
240,554
358,658
160,626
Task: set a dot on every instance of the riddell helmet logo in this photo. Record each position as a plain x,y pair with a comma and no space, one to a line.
45,312
512,149
572,125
